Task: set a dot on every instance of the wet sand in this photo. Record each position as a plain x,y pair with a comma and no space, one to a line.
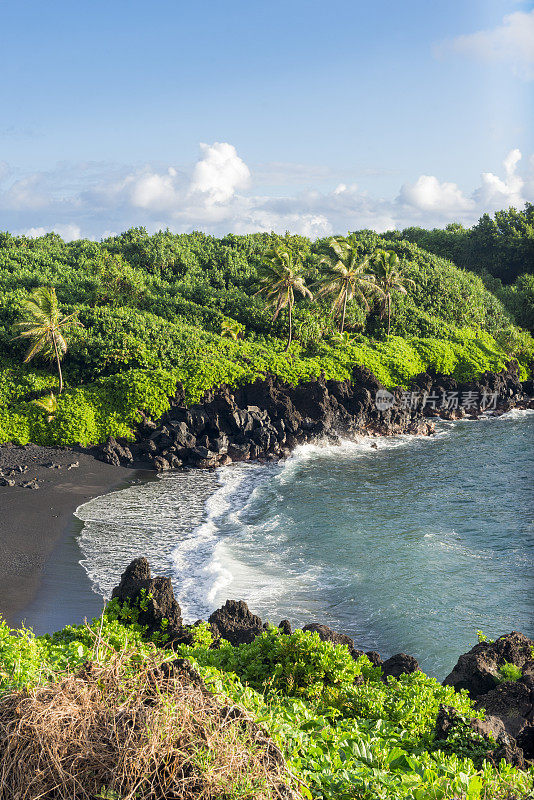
38,550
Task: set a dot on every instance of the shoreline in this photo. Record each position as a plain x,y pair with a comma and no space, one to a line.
34,523
38,528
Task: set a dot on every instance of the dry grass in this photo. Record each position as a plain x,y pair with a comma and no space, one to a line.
151,733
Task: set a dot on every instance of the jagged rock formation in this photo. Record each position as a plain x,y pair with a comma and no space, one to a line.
235,623
478,670
508,705
153,596
268,418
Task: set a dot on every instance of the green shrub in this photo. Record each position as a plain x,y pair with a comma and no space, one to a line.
509,672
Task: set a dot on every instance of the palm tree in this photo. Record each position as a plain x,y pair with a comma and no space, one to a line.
45,327
280,276
48,404
389,279
231,329
345,277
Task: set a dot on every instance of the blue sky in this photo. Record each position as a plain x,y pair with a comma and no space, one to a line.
304,115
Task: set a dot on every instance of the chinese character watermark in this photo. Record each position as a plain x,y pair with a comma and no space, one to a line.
446,400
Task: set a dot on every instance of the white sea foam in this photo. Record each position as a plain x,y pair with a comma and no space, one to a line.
188,525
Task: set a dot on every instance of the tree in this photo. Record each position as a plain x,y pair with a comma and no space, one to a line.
345,276
279,277
44,326
231,329
48,404
389,279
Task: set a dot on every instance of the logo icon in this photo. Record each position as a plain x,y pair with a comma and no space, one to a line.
384,399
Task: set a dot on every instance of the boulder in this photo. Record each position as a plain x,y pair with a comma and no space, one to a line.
477,670
511,703
235,623
326,634
285,627
375,658
500,744
160,464
112,452
400,664
156,595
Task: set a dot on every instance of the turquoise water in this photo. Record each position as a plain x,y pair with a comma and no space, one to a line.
411,545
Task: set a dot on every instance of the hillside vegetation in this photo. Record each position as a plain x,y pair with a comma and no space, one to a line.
162,308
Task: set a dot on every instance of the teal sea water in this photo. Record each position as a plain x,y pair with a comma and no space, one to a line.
410,545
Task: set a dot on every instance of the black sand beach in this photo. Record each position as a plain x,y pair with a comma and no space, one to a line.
36,523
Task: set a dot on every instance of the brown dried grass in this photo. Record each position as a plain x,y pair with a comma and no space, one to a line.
149,733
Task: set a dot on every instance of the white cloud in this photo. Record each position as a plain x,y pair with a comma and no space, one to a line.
68,232
428,194
154,191
219,173
93,200
512,43
499,193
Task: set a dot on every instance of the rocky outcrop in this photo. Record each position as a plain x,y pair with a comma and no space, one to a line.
326,634
235,623
268,418
400,664
508,723
500,745
264,419
154,597
511,704
478,670
508,705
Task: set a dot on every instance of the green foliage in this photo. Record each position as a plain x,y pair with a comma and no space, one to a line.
365,739
162,308
509,672
502,246
344,732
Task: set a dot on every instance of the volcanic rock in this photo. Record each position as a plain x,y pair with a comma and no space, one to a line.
400,664
235,623
477,670
154,597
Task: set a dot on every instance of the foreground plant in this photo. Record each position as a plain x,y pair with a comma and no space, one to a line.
45,327
133,726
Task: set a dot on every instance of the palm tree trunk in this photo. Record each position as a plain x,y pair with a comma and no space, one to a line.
290,325
344,308
58,365
389,313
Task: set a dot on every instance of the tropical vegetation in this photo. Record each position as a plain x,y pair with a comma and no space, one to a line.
132,315
344,733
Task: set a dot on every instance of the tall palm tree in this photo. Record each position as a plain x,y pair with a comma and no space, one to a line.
389,279
45,327
345,277
279,277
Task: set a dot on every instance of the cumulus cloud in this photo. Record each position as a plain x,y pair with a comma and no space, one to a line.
219,173
501,192
154,191
217,195
68,232
511,42
428,194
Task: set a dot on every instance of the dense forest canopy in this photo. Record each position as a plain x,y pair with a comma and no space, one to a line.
502,246
165,307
